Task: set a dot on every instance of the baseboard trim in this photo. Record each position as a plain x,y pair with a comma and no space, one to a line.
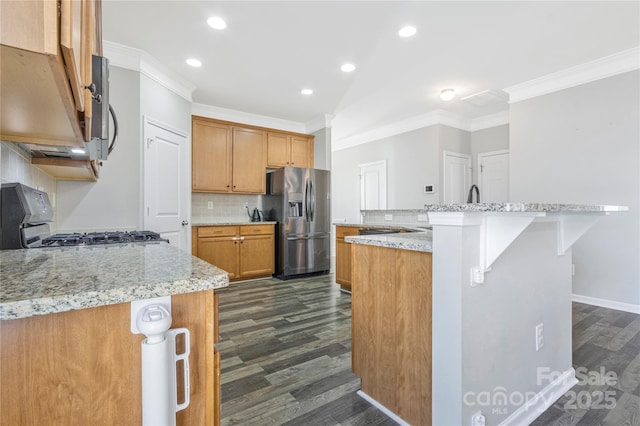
537,405
382,408
606,303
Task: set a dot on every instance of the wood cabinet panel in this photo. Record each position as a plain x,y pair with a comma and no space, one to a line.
256,256
46,62
256,230
391,328
343,264
301,152
83,367
221,252
211,156
217,231
249,164
277,150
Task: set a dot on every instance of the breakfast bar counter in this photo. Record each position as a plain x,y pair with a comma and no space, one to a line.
442,319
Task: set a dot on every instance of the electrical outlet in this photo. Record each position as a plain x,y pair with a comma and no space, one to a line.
573,269
423,218
539,336
388,217
209,205
246,205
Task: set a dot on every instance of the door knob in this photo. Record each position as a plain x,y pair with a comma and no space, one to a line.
185,222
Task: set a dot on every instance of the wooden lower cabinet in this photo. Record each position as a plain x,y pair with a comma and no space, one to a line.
83,367
391,328
343,256
244,251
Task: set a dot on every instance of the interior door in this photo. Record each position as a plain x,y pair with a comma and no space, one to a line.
456,177
167,187
493,176
373,186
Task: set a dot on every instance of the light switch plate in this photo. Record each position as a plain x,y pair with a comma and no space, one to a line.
423,218
388,217
209,205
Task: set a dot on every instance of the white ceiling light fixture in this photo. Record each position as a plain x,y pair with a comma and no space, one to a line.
194,62
217,23
447,94
348,67
306,92
407,31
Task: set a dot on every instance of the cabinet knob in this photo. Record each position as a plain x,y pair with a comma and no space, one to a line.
228,186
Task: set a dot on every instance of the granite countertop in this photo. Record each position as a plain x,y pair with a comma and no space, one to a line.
390,225
228,223
414,241
523,207
42,281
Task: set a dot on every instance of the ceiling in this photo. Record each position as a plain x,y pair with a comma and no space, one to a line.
271,50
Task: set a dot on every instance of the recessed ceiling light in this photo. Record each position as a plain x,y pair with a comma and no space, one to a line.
447,94
194,62
78,150
217,23
306,92
407,31
348,67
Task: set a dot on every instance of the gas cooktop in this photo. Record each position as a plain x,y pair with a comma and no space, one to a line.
97,238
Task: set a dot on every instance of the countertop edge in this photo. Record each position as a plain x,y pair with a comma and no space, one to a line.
395,241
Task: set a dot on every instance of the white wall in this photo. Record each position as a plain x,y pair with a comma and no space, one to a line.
581,145
322,149
414,159
112,203
115,202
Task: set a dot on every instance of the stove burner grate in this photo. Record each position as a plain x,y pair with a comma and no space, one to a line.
97,238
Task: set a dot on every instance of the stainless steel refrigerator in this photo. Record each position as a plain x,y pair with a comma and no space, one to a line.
300,201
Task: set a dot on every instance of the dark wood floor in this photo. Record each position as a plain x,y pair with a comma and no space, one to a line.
286,358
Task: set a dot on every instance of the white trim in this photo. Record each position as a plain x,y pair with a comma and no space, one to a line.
226,114
421,121
537,405
618,63
382,408
138,60
320,122
488,121
606,303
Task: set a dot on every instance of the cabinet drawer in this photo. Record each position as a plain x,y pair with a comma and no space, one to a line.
217,231
345,231
256,230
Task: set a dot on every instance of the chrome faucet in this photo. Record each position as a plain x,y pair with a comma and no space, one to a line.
470,196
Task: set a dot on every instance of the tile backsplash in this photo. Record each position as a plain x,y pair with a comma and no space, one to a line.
15,166
224,207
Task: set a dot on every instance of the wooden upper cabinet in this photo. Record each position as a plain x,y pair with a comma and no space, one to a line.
46,62
289,150
277,149
211,156
249,162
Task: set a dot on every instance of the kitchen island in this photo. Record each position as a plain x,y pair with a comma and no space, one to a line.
67,353
462,312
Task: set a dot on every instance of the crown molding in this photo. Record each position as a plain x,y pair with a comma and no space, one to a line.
618,63
226,114
488,121
322,121
403,126
138,60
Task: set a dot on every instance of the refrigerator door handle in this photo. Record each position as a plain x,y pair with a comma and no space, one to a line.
306,200
312,200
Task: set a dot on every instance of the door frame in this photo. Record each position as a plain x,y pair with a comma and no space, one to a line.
373,163
468,175
147,120
481,155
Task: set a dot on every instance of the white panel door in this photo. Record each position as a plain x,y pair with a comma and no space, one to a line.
456,177
167,183
373,186
493,176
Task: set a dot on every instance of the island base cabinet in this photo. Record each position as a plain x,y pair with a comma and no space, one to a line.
83,367
391,328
